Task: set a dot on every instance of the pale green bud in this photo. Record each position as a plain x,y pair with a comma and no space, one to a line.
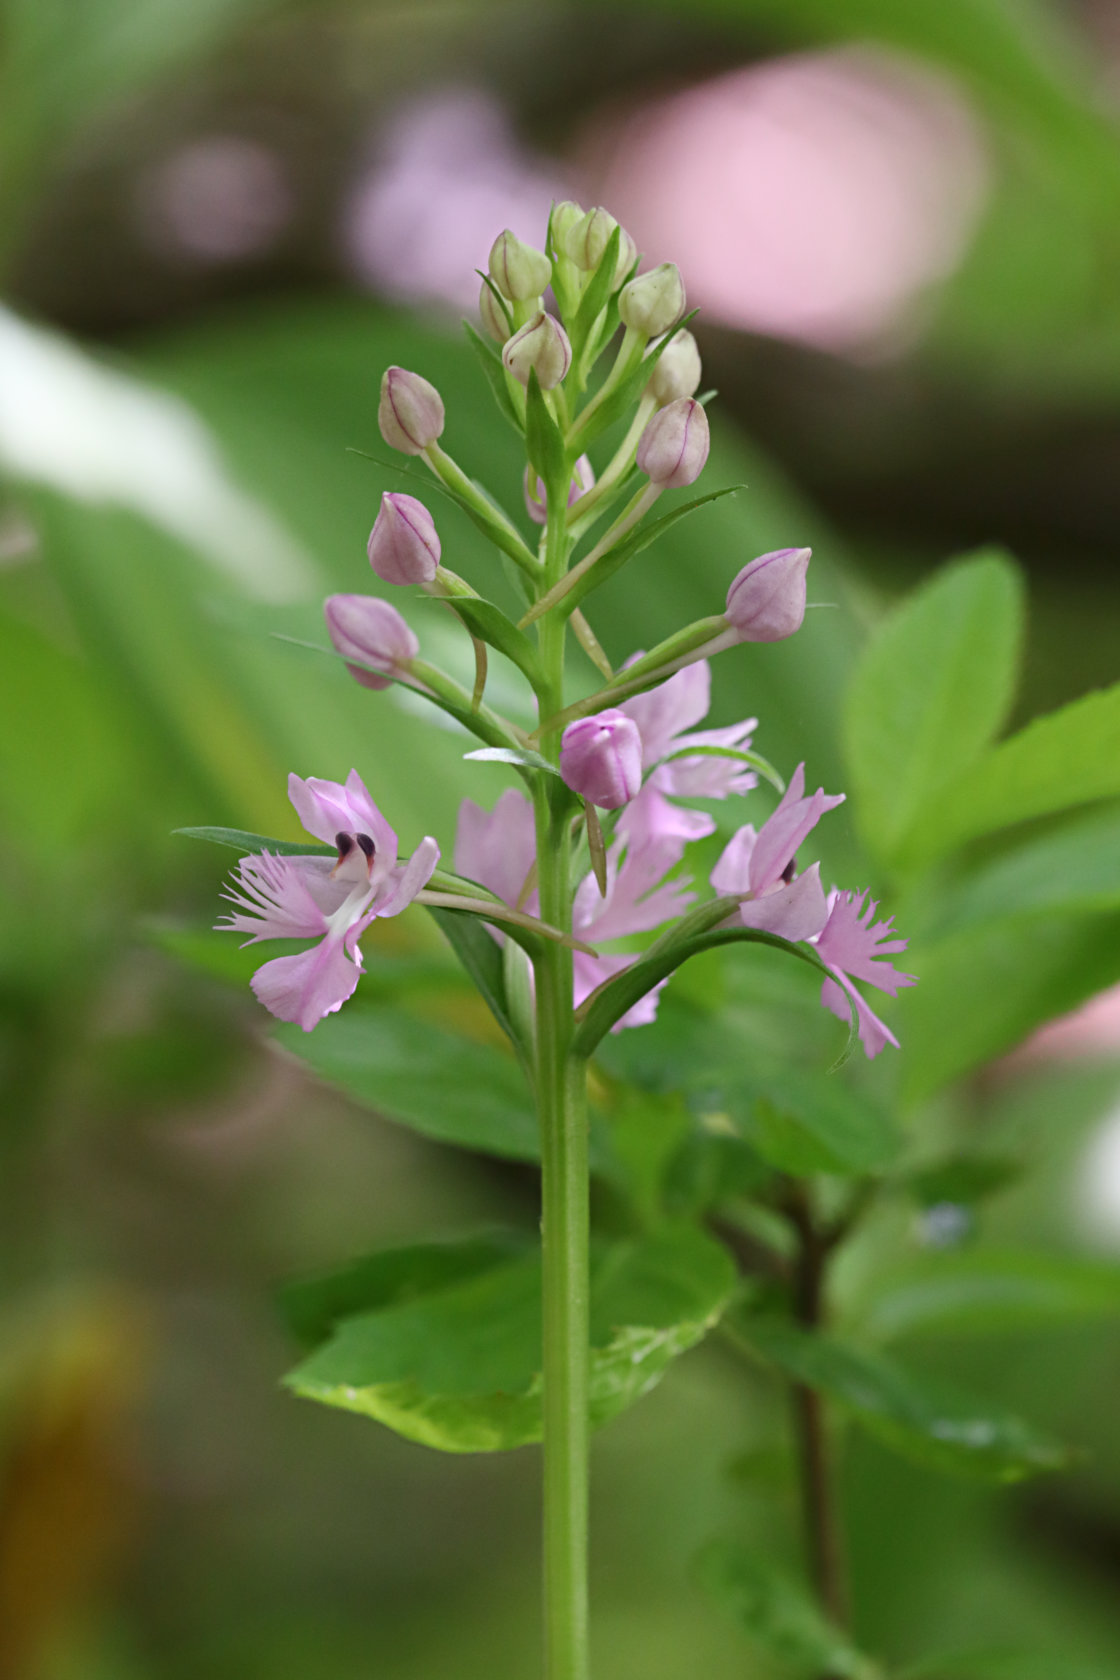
542,347
565,215
652,302
518,271
493,320
677,373
586,241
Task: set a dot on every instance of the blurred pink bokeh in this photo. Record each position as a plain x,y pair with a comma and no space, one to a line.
446,178
812,197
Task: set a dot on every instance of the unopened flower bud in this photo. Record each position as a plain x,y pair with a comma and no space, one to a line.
493,319
565,216
541,346
677,371
536,500
651,302
366,628
403,546
586,241
674,446
766,602
410,412
518,271
601,758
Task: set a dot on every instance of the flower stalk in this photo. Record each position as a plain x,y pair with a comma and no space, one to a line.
632,749
565,1186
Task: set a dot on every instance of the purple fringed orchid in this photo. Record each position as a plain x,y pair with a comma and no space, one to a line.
762,866
638,899
664,716
304,897
853,944
848,940
498,849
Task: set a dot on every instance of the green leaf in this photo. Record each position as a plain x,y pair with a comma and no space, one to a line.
645,1131
70,729
980,1292
596,296
490,624
1000,1664
964,1179
414,1073
239,840
495,374
1075,867
932,689
544,441
598,1013
648,532
778,1613
807,1122
457,1367
481,956
478,721
312,1306
755,760
922,1420
523,757
625,394
710,1169
1069,757
984,989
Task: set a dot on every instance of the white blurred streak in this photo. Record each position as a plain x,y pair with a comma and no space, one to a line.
99,436
219,199
449,176
812,197
1098,1185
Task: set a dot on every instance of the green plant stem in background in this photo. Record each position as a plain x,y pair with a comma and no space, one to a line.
562,1110
823,1538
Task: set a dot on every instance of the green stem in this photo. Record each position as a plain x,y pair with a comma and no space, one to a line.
562,1108
824,1540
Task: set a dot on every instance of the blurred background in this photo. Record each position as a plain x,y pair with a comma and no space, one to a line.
219,221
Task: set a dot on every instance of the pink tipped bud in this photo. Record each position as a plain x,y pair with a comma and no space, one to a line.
403,546
652,302
366,628
601,758
518,271
493,320
410,412
677,372
674,446
541,345
585,242
766,602
536,500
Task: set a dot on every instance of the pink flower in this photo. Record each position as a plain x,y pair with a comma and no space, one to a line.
762,866
664,716
601,758
498,849
766,600
852,943
536,499
403,546
304,897
674,446
367,628
638,900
